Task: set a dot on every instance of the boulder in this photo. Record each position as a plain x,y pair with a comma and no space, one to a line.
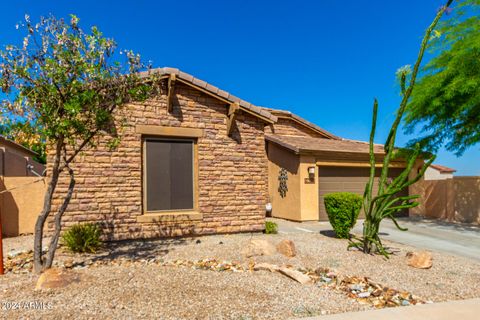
420,260
258,247
287,248
56,278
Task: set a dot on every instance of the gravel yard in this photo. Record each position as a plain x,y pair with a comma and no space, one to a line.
121,289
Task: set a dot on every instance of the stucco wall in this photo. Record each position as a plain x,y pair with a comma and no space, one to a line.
309,189
287,207
301,200
456,200
20,207
232,172
13,163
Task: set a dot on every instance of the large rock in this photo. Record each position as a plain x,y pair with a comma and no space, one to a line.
258,247
420,260
287,248
56,278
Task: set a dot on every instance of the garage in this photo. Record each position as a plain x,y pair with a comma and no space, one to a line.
346,179
303,169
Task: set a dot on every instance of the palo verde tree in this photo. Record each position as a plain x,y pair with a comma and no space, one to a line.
67,82
445,103
386,203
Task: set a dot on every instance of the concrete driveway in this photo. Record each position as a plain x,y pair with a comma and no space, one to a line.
456,239
460,309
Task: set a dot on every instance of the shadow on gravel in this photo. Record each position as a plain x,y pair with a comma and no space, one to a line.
138,249
328,233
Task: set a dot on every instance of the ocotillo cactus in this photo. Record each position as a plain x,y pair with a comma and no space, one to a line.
387,202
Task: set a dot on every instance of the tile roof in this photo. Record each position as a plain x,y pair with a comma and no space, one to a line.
312,145
191,80
442,169
287,114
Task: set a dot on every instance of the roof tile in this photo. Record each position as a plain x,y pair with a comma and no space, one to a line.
202,84
308,144
264,113
185,76
211,88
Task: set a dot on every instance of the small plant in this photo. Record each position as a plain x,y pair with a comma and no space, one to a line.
271,227
83,238
342,210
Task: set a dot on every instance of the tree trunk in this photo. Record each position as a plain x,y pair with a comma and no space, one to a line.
47,205
58,219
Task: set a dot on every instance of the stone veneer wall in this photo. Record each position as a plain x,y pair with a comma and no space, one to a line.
291,128
232,172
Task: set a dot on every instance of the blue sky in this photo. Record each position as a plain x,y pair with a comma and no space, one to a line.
323,60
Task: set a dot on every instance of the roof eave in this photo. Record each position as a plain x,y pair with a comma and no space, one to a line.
213,91
17,146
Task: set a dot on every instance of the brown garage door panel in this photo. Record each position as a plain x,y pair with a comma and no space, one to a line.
346,179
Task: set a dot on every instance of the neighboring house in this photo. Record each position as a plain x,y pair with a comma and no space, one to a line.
198,160
20,206
15,160
438,172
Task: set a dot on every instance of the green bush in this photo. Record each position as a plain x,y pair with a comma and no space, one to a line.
271,227
343,209
83,238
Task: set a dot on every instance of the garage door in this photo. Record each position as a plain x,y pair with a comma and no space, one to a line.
347,179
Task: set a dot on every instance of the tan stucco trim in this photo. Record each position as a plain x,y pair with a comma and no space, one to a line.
170,216
357,164
169,131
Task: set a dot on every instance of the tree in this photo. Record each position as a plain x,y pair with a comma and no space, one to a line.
386,203
446,101
68,84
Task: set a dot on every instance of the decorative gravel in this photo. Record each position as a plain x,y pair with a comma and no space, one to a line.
123,290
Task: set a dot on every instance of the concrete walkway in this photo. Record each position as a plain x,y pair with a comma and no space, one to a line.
456,239
452,310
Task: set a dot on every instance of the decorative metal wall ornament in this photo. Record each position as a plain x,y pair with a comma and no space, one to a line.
282,185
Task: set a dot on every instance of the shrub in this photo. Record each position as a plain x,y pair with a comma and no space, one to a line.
83,238
343,209
271,227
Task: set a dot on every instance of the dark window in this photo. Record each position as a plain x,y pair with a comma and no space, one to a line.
169,174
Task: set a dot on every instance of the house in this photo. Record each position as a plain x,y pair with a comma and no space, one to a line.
15,160
438,172
20,206
198,160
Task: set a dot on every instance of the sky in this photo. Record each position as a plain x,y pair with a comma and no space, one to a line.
323,60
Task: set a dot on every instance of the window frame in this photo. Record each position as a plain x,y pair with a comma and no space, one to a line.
194,141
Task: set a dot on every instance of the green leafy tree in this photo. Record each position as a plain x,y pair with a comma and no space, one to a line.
387,203
69,84
445,103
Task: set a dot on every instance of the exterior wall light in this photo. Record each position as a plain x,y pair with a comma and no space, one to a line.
311,173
